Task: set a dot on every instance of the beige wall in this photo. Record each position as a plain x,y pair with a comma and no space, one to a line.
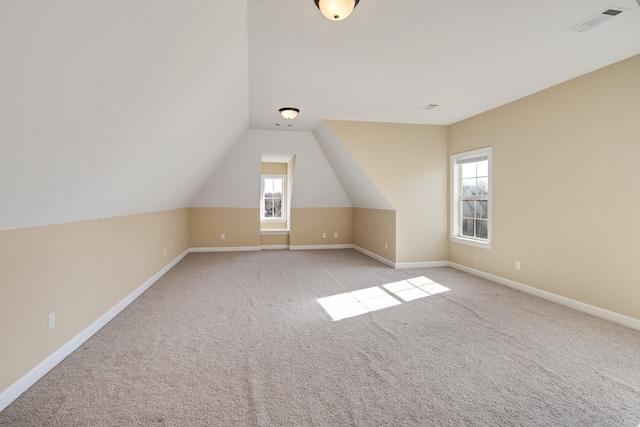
273,225
241,227
274,168
372,229
308,224
565,188
79,271
274,239
408,163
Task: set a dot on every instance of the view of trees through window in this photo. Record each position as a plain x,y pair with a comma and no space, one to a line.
474,196
272,195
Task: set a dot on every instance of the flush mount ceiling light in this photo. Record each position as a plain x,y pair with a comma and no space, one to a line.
337,10
289,113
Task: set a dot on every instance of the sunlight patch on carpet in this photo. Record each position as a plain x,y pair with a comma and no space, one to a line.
355,303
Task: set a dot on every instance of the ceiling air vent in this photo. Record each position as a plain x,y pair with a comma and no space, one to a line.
597,19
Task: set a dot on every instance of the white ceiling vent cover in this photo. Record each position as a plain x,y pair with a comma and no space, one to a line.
597,19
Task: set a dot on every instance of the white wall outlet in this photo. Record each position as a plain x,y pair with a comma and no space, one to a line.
222,236
386,247
165,251
517,265
324,235
335,234
52,321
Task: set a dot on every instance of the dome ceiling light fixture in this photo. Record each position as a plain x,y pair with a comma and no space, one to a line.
289,113
337,10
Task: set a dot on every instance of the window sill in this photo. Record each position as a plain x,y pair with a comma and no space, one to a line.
471,242
265,231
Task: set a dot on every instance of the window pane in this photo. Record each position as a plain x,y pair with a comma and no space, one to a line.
468,170
469,187
483,186
483,168
268,207
482,228
467,227
277,186
268,186
481,209
277,208
467,208
273,197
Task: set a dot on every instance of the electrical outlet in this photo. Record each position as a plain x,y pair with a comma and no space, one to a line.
324,235
335,234
222,236
386,247
165,251
517,265
52,321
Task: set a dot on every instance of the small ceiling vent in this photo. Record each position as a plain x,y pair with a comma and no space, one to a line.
428,107
597,19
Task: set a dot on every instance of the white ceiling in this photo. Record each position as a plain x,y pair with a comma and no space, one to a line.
392,57
114,107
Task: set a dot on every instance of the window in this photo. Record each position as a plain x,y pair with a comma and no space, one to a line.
273,198
471,198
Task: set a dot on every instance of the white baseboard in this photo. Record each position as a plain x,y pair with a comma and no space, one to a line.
30,378
270,247
401,265
311,247
375,256
226,249
427,264
611,316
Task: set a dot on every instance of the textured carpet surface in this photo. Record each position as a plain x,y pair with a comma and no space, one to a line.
240,339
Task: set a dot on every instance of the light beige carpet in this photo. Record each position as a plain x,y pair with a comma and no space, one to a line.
240,339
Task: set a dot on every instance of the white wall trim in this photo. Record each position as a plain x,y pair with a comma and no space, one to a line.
226,249
611,316
311,247
375,256
269,231
269,247
426,264
30,378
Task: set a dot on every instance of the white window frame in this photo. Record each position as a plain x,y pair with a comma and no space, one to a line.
283,208
456,234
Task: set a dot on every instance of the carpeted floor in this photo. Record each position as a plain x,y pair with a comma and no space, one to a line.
240,339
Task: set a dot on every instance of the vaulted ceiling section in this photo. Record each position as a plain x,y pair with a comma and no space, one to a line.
117,107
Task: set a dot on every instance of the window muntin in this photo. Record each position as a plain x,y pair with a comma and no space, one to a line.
471,198
273,198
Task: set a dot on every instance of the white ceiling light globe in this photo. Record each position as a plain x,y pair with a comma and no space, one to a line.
336,10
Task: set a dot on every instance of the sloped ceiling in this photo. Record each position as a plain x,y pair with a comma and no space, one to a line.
236,183
392,57
116,107
362,191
